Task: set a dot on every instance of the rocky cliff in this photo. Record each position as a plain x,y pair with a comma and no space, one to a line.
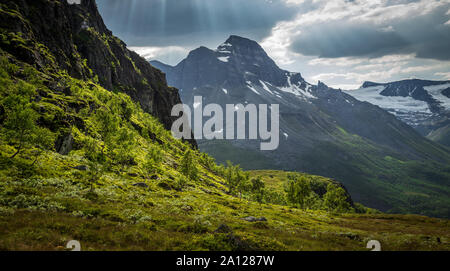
60,35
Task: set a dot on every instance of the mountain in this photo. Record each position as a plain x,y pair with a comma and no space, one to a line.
382,161
422,104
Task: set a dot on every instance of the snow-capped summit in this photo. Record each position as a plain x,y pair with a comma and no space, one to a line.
239,65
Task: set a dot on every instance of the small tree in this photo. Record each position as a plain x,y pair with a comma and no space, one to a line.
240,181
236,179
257,188
153,160
20,126
122,147
187,166
44,140
336,199
298,190
229,177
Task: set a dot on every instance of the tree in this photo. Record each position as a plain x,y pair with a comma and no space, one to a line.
258,189
336,199
236,179
153,160
44,140
229,177
122,147
187,166
298,190
240,181
20,125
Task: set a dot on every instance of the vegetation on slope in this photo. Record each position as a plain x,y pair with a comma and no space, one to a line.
128,184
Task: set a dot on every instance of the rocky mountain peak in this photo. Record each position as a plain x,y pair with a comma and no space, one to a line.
241,42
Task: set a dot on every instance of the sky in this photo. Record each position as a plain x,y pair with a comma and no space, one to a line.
342,43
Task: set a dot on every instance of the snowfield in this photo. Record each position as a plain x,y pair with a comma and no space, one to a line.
394,104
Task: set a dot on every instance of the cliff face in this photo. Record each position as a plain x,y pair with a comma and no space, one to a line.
56,36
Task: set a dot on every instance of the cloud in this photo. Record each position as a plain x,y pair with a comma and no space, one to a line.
340,42
191,22
348,72
443,75
347,39
363,28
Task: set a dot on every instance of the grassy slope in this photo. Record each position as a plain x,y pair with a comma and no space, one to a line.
123,217
372,178
45,205
399,186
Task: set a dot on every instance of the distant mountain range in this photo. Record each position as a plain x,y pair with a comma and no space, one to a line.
423,104
382,161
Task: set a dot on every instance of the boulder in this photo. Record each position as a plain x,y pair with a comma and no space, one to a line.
254,219
143,185
81,167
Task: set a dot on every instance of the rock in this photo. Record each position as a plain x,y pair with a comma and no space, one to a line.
187,208
143,185
82,168
254,219
351,236
64,144
165,186
223,228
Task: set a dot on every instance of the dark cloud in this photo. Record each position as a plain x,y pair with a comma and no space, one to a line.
191,22
426,35
345,40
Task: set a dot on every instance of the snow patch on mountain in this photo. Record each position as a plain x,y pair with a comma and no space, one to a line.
436,92
265,87
250,86
394,104
296,90
76,2
224,58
